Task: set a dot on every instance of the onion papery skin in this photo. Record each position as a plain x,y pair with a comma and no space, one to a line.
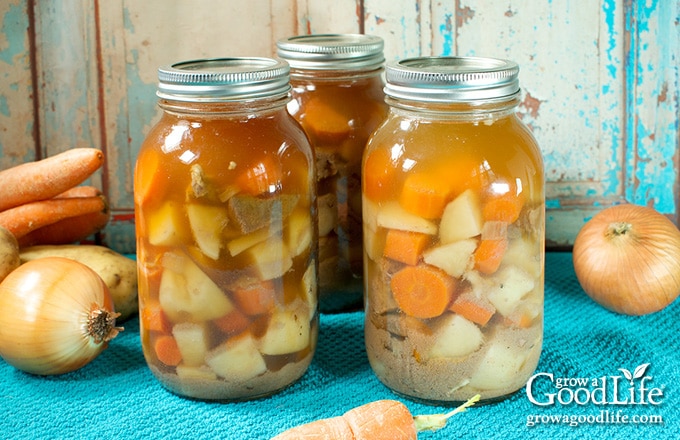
45,309
632,270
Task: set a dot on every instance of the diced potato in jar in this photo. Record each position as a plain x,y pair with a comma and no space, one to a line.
270,259
186,293
237,360
192,341
511,285
310,287
462,218
455,336
207,223
500,366
526,254
287,332
202,373
393,216
166,226
327,207
243,242
453,258
298,232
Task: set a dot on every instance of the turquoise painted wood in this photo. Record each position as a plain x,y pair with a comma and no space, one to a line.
600,81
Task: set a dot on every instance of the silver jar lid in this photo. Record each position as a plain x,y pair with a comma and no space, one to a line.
223,79
332,51
450,79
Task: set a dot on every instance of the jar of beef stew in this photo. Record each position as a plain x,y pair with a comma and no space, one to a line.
453,215
338,98
226,244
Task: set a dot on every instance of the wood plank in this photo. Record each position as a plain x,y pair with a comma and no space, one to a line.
18,134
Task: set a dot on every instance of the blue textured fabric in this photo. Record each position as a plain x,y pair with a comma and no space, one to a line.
116,396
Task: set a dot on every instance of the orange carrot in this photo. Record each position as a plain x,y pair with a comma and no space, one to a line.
23,219
425,194
256,298
476,309
153,318
233,322
70,230
262,177
79,191
422,291
405,246
148,182
459,174
379,420
166,350
325,120
489,255
506,207
379,173
46,178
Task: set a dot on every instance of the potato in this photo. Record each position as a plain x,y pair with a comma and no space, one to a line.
118,272
9,253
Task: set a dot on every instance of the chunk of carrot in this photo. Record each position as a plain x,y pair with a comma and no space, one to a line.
459,174
166,350
489,255
473,308
256,298
262,177
405,246
233,322
148,182
422,291
326,121
153,318
425,194
378,175
505,208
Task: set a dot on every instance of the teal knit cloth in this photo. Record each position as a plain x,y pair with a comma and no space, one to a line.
585,347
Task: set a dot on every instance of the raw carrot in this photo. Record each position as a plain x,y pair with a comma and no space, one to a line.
506,207
46,178
79,191
256,298
425,194
473,308
379,420
405,246
153,318
489,255
378,176
23,219
233,322
422,291
262,177
166,350
70,230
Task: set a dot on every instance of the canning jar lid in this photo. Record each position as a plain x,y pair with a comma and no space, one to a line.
332,51
224,79
450,79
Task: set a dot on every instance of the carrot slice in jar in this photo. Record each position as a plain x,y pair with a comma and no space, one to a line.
379,174
425,194
422,291
405,246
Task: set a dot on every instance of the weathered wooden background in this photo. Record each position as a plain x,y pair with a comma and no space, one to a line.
600,80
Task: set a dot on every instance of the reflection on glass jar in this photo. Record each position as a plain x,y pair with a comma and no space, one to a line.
453,215
226,243
338,99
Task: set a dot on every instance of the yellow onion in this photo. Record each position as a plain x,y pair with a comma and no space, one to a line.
627,259
56,315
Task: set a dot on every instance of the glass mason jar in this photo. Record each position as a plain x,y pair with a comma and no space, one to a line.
453,214
226,244
338,99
